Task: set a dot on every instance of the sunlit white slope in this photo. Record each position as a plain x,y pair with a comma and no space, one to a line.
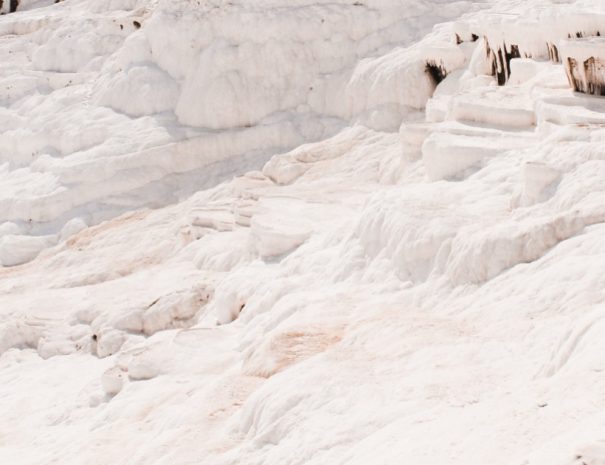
106,106
428,295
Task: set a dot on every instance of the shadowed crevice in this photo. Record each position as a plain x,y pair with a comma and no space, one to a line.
437,73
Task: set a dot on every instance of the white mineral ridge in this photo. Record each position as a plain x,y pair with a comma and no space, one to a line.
255,232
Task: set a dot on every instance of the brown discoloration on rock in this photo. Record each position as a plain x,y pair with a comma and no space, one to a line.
86,236
500,59
594,70
499,69
295,346
514,53
123,264
17,270
553,52
291,347
587,77
460,40
573,76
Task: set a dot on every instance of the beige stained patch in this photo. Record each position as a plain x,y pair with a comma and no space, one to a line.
86,236
290,347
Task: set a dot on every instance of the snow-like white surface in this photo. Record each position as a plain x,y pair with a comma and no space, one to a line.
93,90
253,232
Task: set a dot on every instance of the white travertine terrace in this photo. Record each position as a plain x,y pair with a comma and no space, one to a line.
304,232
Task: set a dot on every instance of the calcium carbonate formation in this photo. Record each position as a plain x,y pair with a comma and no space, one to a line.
272,232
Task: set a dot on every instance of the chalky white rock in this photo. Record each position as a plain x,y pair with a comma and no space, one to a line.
301,232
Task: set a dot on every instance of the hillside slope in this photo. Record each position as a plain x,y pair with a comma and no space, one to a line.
302,232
